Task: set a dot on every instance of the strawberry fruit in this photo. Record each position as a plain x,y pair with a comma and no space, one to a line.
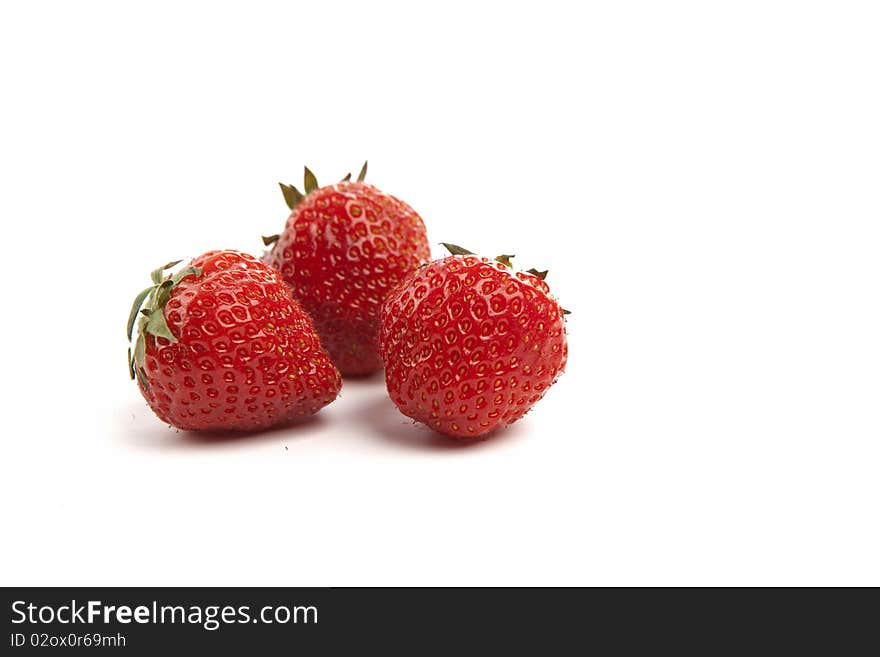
344,247
222,345
469,344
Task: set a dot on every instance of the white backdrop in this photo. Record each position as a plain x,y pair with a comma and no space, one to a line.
700,178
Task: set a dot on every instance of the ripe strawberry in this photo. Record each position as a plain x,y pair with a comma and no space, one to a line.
343,249
223,345
470,345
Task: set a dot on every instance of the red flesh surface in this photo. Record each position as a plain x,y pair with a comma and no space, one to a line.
247,355
343,249
469,345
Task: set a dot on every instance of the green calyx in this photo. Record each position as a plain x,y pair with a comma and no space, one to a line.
293,197
456,250
504,259
540,274
149,304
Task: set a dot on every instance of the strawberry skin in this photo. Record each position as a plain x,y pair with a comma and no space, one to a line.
469,345
241,354
343,249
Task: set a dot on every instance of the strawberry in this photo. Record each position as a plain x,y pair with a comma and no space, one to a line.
469,344
223,345
344,247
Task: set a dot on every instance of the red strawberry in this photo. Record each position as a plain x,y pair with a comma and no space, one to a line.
343,249
470,345
223,345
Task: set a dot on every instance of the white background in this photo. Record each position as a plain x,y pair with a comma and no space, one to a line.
700,178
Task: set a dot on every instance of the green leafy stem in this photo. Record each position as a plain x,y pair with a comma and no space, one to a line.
149,304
